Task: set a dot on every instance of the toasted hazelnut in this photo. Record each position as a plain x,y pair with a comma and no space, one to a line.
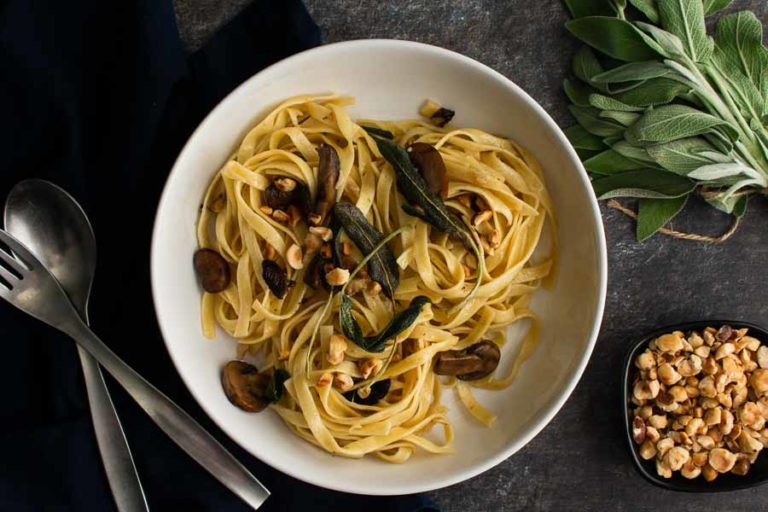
715,434
481,217
695,426
645,361
759,381
748,444
678,393
722,460
664,445
709,338
325,234
676,457
706,442
285,184
669,343
294,215
658,421
725,400
647,450
709,473
726,422
312,243
749,413
266,210
724,350
751,344
741,467
346,248
337,276
707,387
494,238
692,391
280,216
294,257
698,412
314,219
324,380
700,459
668,375
343,382
356,286
690,470
645,390
702,351
710,366
695,340
739,395
709,403
336,348
270,253
374,289
690,366
652,435
662,469
371,366
713,416
762,357
638,430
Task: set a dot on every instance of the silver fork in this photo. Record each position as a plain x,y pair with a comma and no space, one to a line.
28,285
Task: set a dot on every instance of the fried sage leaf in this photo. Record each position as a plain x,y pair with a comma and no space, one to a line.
382,266
376,343
424,204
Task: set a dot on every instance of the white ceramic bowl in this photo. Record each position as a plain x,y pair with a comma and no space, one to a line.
390,79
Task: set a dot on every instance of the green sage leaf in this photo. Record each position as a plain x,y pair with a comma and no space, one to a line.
672,122
614,37
585,65
633,71
382,266
608,103
684,155
653,92
714,172
578,92
623,118
582,139
713,6
590,119
634,153
400,322
653,214
736,205
379,132
582,8
740,38
643,183
611,162
667,44
648,8
685,19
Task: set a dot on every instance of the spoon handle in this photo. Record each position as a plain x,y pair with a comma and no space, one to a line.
118,462
180,427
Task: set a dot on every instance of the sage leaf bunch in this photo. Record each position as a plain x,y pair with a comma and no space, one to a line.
666,110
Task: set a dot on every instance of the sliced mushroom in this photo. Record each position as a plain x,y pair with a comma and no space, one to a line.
327,176
442,117
245,387
212,269
275,277
474,362
314,277
431,167
278,196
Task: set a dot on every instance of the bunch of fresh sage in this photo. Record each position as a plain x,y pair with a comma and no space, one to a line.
665,110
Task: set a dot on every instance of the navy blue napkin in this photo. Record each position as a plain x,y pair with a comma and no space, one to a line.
99,97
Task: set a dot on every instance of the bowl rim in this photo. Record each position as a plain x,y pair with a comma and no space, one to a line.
639,464
552,408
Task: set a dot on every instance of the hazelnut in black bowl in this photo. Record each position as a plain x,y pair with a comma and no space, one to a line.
695,401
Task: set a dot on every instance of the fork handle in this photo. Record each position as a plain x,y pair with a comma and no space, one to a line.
180,427
118,462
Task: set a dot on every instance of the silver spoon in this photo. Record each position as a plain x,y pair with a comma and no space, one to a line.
54,228
29,285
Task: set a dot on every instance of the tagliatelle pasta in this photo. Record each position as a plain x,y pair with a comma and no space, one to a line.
295,333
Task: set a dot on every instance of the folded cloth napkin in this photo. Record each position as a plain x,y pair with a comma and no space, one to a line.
99,97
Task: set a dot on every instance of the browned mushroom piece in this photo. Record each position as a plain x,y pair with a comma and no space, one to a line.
280,199
327,176
275,277
474,362
442,116
314,277
212,269
431,167
245,387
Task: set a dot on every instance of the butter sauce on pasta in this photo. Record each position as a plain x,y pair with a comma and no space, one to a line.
499,173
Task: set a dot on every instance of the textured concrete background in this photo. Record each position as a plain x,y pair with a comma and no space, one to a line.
579,462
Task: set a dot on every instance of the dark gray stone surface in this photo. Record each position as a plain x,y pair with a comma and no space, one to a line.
579,462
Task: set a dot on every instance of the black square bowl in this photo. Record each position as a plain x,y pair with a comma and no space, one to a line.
758,473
